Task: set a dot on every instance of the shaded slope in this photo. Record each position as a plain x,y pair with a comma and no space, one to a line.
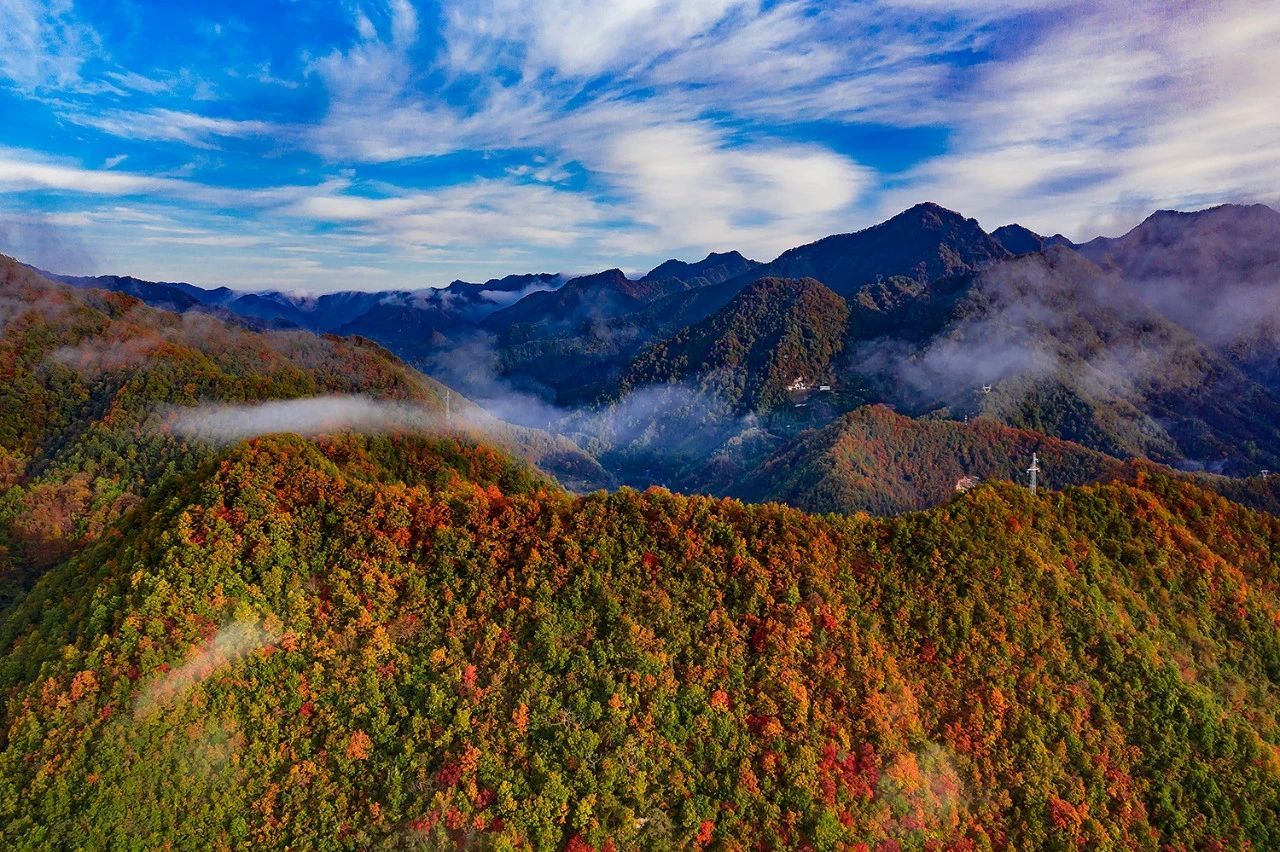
771,334
589,297
1067,351
1216,272
168,295
713,269
572,344
1019,240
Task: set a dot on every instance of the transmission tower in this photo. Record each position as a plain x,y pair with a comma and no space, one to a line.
1034,470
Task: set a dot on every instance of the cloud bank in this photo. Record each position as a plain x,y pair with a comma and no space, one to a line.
226,424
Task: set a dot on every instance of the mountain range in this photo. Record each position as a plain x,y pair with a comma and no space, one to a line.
265,583
1159,344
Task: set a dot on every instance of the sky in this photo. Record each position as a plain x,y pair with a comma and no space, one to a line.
314,145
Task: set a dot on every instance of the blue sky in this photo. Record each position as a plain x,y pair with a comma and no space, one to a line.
318,145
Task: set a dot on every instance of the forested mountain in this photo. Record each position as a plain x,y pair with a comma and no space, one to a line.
352,311
1019,240
924,243
279,589
713,269
582,300
1067,350
171,296
874,460
100,393
1164,346
1216,272
774,336
354,643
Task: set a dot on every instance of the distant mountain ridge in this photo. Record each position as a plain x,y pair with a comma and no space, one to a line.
1019,240
713,269
937,309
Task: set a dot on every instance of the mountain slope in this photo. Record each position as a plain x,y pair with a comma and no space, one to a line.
873,460
600,325
771,334
1019,240
1216,272
167,295
583,299
1066,350
103,397
302,646
713,269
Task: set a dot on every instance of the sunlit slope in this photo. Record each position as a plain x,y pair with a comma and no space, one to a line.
874,460
92,386
310,644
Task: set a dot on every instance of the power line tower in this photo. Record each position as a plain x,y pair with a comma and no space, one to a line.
1034,470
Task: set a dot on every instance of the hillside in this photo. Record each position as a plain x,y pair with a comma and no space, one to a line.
873,460
1161,343
583,299
1020,240
1066,350
715,268
312,644
1216,272
749,353
571,345
98,388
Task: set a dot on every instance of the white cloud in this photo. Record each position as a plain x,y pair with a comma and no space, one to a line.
687,186
669,177
138,82
643,128
477,215
42,44
319,415
22,171
579,38
1111,116
26,171
166,125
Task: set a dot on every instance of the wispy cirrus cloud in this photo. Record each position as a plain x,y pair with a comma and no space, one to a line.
1099,122
167,125
579,39
43,44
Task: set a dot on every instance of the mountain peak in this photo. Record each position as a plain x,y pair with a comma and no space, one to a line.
928,210
924,242
1021,240
1220,213
1017,239
712,269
